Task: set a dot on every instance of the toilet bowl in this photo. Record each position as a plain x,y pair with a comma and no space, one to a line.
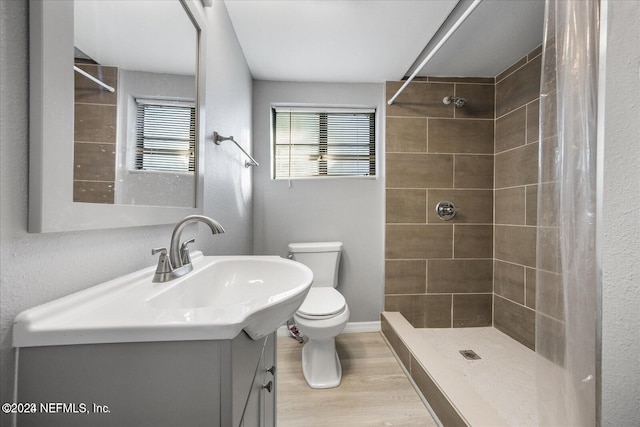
323,314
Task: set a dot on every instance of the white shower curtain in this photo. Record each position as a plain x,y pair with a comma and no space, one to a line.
567,269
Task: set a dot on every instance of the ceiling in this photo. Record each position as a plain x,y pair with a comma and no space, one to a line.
379,40
137,35
492,38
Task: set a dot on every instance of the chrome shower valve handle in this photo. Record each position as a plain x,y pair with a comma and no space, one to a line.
446,210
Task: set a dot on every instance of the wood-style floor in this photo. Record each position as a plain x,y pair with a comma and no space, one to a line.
374,389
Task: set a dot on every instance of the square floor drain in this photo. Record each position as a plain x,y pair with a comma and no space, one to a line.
469,354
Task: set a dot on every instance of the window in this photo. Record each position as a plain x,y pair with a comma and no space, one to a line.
165,136
323,142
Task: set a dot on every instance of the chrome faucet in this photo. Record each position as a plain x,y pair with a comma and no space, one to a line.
178,262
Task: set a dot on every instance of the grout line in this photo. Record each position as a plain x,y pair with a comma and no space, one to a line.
426,211
419,80
547,271
529,60
484,119
453,242
441,294
493,308
513,263
515,302
550,317
523,105
513,111
454,94
515,225
513,187
436,117
427,137
453,171
493,230
471,83
515,148
524,213
444,189
526,123
446,259
426,276
524,284
451,153
441,223
451,310
450,188
526,62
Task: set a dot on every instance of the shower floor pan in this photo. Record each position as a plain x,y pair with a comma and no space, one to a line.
498,389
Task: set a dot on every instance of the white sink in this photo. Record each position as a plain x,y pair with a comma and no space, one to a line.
219,299
264,291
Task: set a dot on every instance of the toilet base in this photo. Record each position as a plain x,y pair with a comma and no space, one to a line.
320,363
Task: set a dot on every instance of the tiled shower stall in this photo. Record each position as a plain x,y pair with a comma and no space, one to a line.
479,268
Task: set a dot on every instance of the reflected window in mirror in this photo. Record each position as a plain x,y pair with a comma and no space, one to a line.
165,136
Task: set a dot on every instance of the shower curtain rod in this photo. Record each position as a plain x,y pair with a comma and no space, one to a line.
436,48
93,79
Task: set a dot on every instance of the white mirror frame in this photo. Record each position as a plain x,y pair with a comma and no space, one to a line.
51,206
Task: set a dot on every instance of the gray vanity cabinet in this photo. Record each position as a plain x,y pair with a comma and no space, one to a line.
256,407
260,404
173,383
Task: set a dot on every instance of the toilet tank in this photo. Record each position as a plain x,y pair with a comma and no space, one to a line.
323,258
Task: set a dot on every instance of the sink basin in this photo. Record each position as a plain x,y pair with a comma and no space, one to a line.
219,299
265,291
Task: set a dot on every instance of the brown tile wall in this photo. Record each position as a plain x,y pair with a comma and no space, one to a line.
95,118
516,177
440,274
480,268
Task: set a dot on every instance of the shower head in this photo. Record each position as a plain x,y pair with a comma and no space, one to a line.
457,101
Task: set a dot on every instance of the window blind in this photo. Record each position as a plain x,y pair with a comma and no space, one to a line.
323,142
165,136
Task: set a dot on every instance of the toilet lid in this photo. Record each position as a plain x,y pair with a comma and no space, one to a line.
322,301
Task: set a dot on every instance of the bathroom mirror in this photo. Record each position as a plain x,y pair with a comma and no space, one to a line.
92,164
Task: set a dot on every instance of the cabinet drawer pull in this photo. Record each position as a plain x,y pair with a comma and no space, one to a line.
268,386
272,370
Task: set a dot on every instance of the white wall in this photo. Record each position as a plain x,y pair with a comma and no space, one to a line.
621,220
36,268
350,210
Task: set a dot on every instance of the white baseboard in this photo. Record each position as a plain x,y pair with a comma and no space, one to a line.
354,327
351,328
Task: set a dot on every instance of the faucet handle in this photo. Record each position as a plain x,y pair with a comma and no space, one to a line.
164,265
184,252
162,251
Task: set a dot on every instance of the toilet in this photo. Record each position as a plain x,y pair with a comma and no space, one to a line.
323,314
